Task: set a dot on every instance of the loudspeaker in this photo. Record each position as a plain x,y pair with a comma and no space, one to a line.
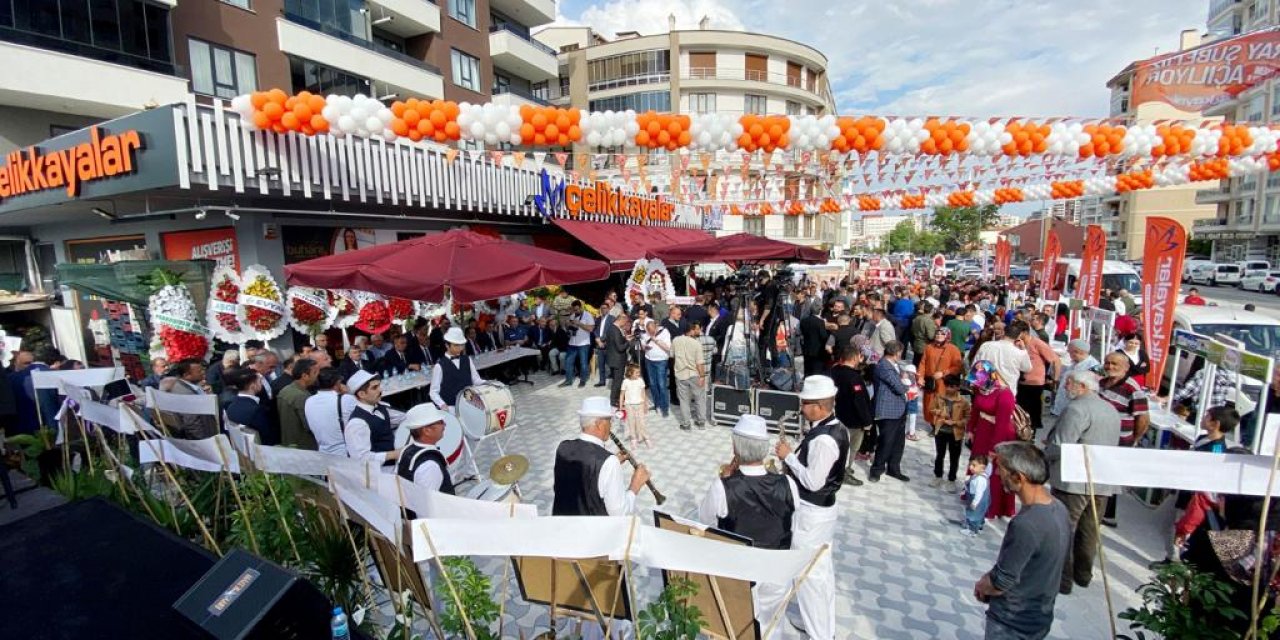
780,409
727,403
245,597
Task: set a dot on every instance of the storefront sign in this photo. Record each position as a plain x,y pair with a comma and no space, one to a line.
562,198
306,243
1196,79
218,245
31,169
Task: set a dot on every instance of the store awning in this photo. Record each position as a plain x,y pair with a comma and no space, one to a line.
737,249
622,245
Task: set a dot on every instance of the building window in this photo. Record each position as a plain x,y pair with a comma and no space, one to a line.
1244,215
317,78
1275,100
501,84
643,67
222,72
755,104
1272,213
466,71
808,227
340,18
790,226
793,108
463,11
243,4
702,102
753,225
540,90
127,32
643,101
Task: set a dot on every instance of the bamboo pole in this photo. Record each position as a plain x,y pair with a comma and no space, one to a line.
1255,608
795,586
626,561
190,507
244,511
351,537
453,592
1102,555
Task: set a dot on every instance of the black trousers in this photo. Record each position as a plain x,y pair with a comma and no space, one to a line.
889,446
946,443
1031,398
615,385
814,364
872,438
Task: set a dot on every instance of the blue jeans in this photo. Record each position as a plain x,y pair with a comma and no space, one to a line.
602,366
577,362
658,384
974,519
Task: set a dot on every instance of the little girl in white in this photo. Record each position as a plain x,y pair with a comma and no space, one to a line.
913,399
636,405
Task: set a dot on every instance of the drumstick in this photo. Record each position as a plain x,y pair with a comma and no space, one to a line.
657,495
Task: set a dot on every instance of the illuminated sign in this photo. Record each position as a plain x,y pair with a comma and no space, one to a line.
560,198
31,170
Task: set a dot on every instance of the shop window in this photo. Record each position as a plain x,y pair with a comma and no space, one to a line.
222,72
463,11
466,71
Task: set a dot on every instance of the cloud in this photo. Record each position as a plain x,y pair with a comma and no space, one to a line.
948,57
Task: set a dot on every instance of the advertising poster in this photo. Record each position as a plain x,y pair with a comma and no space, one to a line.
1052,251
307,243
1199,78
1095,249
218,245
1166,247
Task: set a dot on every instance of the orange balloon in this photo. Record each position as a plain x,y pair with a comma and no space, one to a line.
316,103
539,139
258,99
278,95
663,138
526,130
552,131
452,130
319,123
260,120
414,135
400,127
451,110
438,117
303,111
539,121
642,138
674,128
563,122
685,138
526,112
744,140
289,121
411,118
775,131
426,127
563,139
575,132
273,110
397,109
653,128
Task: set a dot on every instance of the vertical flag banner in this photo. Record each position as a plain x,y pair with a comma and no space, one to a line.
1095,250
1052,251
1005,251
1166,246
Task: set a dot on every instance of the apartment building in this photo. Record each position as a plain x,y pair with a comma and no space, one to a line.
69,64
1246,220
702,71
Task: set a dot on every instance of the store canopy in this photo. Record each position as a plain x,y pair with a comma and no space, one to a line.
623,245
737,249
473,266
129,281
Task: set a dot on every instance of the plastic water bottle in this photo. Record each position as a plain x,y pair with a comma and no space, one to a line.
338,625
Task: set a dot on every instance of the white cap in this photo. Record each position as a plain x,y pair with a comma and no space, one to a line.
454,335
359,379
423,415
818,388
751,426
596,407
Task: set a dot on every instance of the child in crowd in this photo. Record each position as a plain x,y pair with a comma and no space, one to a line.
1217,422
636,406
975,496
913,399
950,414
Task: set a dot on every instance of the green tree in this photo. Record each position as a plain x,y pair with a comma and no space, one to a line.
901,238
959,227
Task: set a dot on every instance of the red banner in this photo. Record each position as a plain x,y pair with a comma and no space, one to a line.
218,245
1166,246
1199,78
1089,287
1052,251
1006,258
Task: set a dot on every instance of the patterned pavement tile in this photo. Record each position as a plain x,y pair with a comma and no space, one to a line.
902,570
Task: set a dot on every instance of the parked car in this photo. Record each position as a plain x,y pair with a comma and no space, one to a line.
1254,265
1260,280
1190,266
1217,273
1021,273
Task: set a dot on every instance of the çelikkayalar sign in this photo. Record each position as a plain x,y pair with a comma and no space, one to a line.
562,197
31,171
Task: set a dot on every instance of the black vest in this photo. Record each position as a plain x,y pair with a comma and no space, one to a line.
825,496
760,508
416,455
454,378
577,479
381,436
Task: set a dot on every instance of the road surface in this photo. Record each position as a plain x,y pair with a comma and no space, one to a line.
1229,296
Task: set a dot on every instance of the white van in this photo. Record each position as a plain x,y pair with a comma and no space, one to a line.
1190,266
1116,275
1216,274
1255,332
1254,265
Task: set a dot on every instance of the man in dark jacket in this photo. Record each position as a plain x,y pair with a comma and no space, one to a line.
813,344
890,414
246,408
616,345
853,403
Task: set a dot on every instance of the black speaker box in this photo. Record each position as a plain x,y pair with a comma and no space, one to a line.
727,403
780,409
244,597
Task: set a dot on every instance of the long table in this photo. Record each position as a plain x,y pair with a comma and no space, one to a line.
422,379
490,359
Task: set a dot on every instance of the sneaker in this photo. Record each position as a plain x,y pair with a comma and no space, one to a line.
852,480
875,478
1109,522
950,486
900,476
599,384
935,483
702,427
967,532
566,384
684,427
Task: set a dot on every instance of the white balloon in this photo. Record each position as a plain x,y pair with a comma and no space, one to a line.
385,115
491,138
347,124
502,129
594,139
477,130
373,124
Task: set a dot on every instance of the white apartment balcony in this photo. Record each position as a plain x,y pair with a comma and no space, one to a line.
513,96
405,75
757,82
531,13
522,55
409,18
49,80
1213,196
1209,224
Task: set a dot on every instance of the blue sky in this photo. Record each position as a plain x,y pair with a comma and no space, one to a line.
941,57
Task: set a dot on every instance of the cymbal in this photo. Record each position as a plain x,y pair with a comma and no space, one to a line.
509,469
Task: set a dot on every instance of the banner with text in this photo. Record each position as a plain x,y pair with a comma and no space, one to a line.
1052,251
1166,246
1095,250
218,245
1199,78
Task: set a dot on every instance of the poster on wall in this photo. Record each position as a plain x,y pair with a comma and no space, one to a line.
218,245
307,243
109,328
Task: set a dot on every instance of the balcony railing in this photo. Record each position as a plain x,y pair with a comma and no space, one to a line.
1210,222
520,92
81,49
350,38
751,75
523,36
1217,6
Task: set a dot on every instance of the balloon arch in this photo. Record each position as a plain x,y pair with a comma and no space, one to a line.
1070,157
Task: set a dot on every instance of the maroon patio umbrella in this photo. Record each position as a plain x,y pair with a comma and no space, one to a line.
473,266
738,248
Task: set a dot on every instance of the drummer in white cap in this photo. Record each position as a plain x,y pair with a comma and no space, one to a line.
818,468
370,431
421,461
588,478
750,501
453,372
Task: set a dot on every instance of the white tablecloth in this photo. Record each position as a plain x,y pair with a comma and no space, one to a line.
491,359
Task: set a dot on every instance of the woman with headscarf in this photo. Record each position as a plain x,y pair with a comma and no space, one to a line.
1139,364
941,358
991,423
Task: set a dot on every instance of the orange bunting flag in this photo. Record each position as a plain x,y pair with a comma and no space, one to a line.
519,158
450,155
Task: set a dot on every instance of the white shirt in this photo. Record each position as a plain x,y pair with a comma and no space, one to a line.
633,391
657,347
582,336
428,474
437,374
980,319
321,411
1008,359
823,453
357,435
618,498
715,505
1119,305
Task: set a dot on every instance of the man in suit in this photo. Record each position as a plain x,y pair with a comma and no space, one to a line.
284,378
598,334
675,323
397,358
247,408
419,346
190,381
616,345
478,343
352,363
813,343
159,369
890,414
435,340
717,326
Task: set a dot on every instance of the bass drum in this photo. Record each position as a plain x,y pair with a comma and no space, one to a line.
485,409
450,444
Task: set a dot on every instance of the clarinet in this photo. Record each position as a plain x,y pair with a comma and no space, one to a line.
657,495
